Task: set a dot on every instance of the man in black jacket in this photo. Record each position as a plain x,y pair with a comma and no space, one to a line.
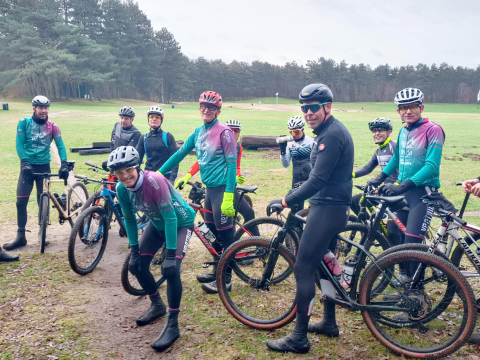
157,145
329,188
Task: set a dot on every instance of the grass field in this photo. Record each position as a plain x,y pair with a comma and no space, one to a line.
83,122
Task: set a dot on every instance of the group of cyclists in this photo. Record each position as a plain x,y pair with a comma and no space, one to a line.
324,166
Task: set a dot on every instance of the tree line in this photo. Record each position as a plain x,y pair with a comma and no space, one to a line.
109,49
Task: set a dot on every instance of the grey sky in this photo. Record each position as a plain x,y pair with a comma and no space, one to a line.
397,32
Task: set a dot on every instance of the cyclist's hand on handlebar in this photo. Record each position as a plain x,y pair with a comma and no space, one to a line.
63,172
275,206
180,183
134,265
378,180
27,169
227,205
169,263
396,188
240,179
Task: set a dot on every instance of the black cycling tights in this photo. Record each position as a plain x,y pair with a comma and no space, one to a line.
24,189
246,211
323,223
152,240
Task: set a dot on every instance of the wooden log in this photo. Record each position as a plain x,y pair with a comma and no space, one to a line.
180,144
98,145
253,142
95,151
77,149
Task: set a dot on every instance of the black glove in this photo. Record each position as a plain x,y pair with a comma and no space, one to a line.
274,206
378,180
134,265
283,147
63,172
104,166
169,263
396,188
27,169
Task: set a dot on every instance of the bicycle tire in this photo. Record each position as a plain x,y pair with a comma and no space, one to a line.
91,200
269,308
456,260
90,247
76,198
129,282
44,213
406,337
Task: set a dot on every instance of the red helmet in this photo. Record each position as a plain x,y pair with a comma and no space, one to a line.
212,98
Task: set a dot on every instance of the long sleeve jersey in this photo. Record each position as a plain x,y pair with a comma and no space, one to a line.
330,181
33,141
124,137
418,153
215,148
194,169
162,204
157,152
298,152
381,157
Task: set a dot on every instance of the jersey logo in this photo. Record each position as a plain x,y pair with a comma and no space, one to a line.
321,147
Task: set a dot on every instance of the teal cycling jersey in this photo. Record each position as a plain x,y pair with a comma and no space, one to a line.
216,150
160,202
418,154
33,141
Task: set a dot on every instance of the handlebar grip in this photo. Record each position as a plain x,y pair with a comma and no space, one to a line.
86,163
79,177
459,220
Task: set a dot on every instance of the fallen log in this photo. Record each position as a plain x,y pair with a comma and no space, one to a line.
98,145
253,142
95,151
77,149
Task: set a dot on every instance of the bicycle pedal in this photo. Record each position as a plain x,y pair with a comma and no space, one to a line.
205,265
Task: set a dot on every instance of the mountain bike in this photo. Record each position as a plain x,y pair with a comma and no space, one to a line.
89,236
415,320
197,196
69,204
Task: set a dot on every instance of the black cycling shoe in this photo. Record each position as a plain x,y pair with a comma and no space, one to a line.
474,338
206,278
19,241
6,257
156,311
296,342
211,288
321,328
170,333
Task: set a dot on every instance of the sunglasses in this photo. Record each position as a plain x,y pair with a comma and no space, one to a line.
154,117
124,171
296,131
378,130
235,130
208,107
312,107
412,107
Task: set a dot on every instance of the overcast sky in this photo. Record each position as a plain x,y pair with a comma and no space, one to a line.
397,32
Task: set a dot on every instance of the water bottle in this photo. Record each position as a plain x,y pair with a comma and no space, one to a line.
442,245
284,139
63,197
332,263
57,197
347,273
206,231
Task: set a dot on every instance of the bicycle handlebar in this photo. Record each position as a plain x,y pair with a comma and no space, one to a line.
44,174
96,167
103,181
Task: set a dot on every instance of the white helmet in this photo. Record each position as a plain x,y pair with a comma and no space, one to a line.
155,110
296,122
40,100
408,96
234,124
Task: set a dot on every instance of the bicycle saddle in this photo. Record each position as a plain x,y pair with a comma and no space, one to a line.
390,201
247,189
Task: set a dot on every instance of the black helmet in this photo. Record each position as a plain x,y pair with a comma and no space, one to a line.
316,92
126,111
40,100
123,157
380,123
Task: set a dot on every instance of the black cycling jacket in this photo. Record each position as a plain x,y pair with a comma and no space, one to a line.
330,181
124,137
381,157
157,152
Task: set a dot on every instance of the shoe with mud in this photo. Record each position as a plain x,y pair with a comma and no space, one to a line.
19,241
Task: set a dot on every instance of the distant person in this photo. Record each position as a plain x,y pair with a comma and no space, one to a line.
34,135
124,133
157,145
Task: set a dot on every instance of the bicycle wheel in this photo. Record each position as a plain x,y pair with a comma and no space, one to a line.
466,267
88,240
43,219
402,322
92,200
265,307
268,227
129,281
76,199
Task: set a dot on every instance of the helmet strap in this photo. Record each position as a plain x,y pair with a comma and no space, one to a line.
387,140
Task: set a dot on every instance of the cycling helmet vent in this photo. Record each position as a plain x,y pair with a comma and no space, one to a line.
408,96
40,100
123,157
126,111
296,122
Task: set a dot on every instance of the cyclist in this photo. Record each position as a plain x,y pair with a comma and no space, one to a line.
417,159
381,129
171,222
6,257
298,151
215,147
244,208
34,135
157,145
329,188
124,133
